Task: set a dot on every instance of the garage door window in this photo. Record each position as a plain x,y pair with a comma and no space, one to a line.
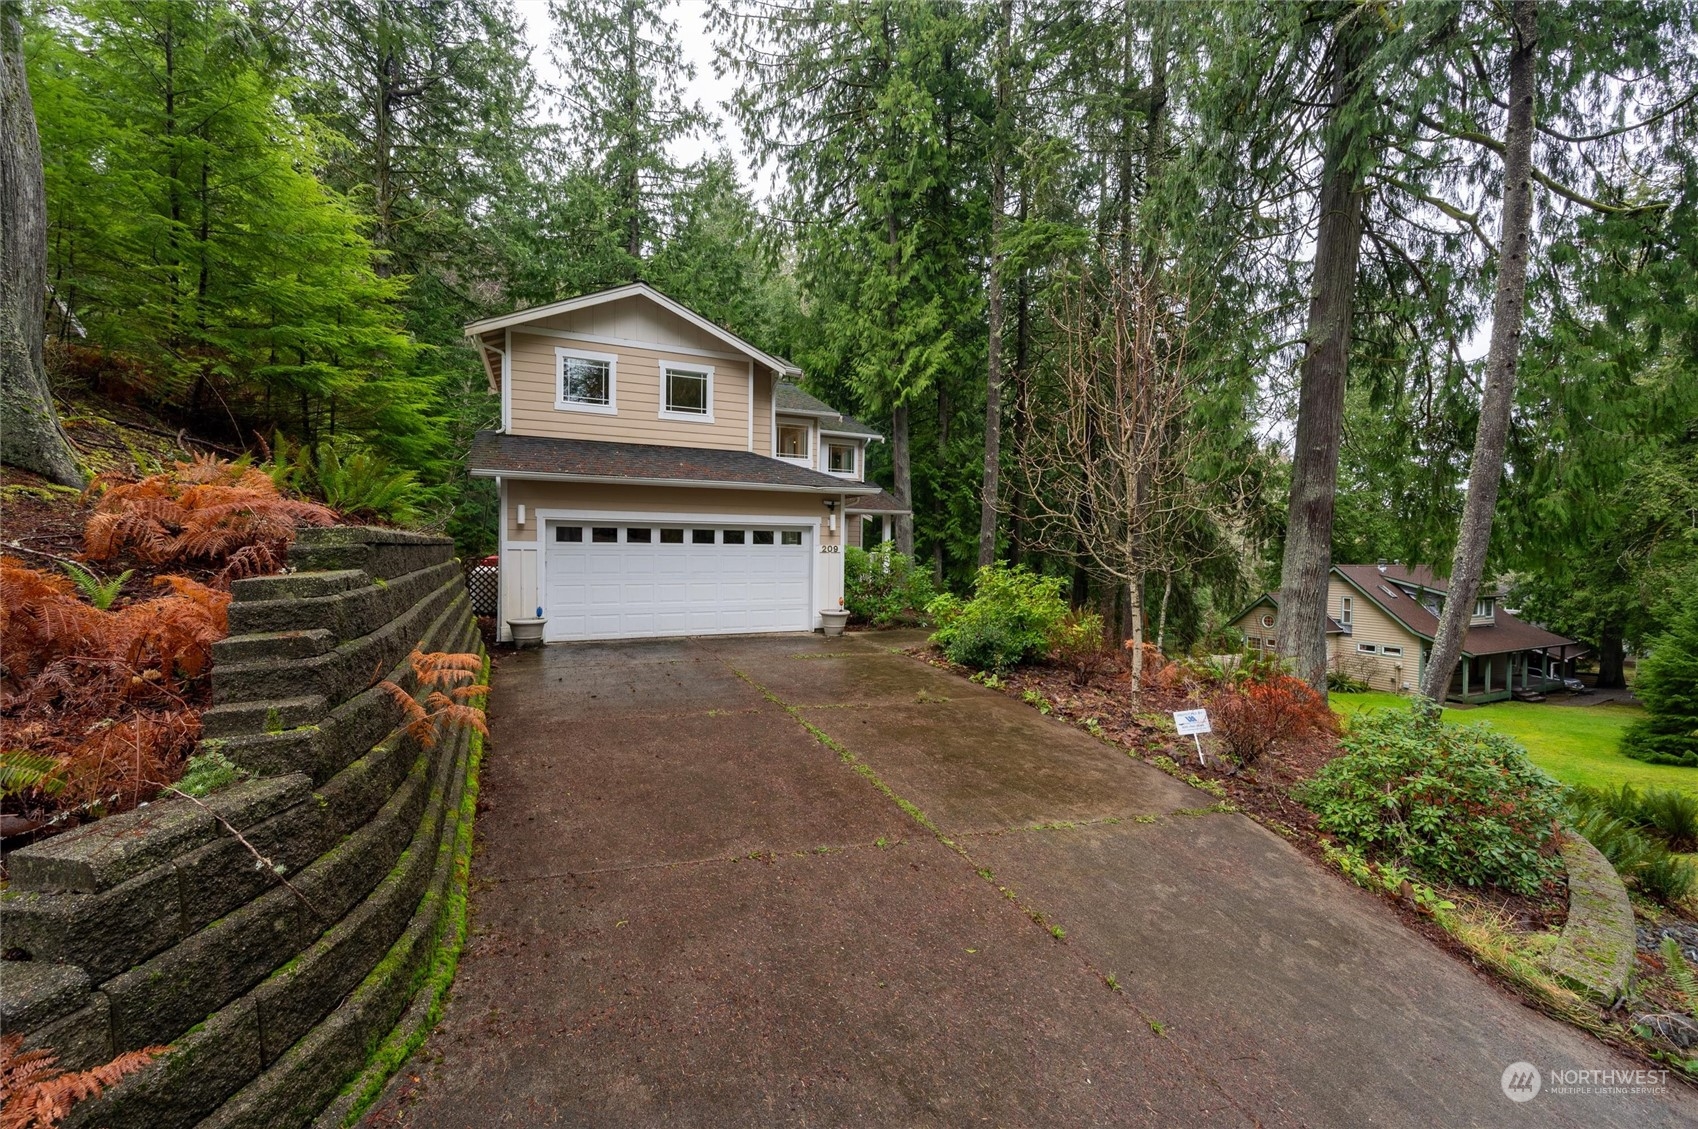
672,537
733,536
604,535
637,536
792,536
568,533
763,536
701,536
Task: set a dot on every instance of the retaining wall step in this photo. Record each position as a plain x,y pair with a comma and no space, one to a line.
1595,952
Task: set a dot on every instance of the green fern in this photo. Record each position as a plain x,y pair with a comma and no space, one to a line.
20,771
101,593
1681,973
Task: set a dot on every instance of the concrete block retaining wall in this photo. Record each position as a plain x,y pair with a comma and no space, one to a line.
160,927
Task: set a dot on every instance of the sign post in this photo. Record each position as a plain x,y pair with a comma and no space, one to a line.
1191,723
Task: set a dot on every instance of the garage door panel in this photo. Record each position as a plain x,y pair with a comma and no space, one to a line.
631,588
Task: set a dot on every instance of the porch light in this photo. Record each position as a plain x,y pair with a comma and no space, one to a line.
831,510
521,515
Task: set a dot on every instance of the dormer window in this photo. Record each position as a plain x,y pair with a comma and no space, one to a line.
687,392
792,441
840,458
585,382
1483,608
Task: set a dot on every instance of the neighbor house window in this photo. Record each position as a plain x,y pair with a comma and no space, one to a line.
1392,652
585,382
1344,611
1367,649
840,457
1482,609
1269,644
1254,642
793,441
687,392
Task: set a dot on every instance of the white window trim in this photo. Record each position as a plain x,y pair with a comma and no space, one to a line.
562,404
806,458
666,368
1485,608
1391,650
1344,611
854,470
1367,649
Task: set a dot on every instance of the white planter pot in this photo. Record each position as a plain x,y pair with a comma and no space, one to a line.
526,632
834,621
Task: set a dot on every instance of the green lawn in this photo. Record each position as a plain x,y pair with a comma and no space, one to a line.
1575,744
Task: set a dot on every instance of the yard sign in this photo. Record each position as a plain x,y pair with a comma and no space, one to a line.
1190,723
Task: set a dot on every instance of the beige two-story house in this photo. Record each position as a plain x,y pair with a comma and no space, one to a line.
658,475
1381,620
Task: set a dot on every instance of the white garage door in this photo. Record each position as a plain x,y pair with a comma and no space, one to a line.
621,580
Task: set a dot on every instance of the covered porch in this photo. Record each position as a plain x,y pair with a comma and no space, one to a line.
1482,678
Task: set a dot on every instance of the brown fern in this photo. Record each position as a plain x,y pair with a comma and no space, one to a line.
36,1093
440,671
209,511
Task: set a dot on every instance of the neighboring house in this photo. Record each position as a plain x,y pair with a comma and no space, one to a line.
1380,627
658,475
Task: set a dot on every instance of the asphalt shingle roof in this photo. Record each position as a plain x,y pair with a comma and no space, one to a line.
879,502
796,400
496,453
1504,635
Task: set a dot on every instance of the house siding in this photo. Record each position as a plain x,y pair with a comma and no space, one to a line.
1371,625
637,397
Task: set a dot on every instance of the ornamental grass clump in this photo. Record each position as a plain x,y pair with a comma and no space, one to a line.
1457,804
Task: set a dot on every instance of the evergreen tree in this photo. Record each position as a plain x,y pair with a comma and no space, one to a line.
1668,685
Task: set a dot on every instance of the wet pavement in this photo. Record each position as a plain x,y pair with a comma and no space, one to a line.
786,880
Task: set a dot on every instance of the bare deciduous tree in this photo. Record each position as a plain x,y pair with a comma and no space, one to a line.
1108,471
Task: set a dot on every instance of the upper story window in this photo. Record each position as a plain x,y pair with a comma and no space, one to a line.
1483,609
1344,612
686,392
840,458
585,382
792,441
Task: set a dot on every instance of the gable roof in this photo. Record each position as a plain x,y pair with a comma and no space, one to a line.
794,400
1505,634
632,290
496,454
1272,600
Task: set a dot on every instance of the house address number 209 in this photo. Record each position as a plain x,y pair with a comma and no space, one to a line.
828,548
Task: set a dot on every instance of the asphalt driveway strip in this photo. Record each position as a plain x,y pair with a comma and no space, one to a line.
789,880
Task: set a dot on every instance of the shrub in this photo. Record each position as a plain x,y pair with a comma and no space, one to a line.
210,512
1339,682
1668,685
1010,620
1672,816
883,587
1667,877
1262,709
1077,644
1459,804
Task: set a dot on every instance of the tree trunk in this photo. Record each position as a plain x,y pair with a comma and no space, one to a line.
1485,472
989,492
30,435
902,471
1612,659
1161,615
1320,406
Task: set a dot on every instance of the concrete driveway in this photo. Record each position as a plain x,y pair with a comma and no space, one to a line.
793,881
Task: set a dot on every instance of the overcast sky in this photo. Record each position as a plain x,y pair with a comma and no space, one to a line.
691,18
